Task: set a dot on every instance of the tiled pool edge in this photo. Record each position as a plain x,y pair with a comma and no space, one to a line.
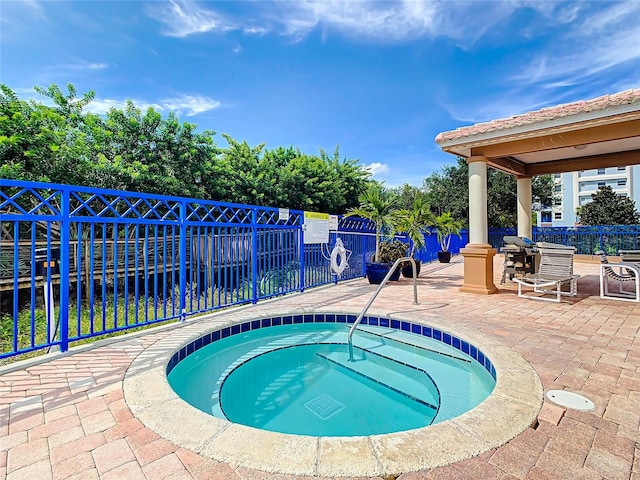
510,410
320,317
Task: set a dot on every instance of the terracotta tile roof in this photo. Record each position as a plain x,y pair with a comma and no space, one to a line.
545,114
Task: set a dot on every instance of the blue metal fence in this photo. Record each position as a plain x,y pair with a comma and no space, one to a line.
587,240
115,260
432,246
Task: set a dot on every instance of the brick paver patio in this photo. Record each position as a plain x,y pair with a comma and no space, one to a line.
67,419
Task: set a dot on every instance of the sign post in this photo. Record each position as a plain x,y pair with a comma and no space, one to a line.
47,265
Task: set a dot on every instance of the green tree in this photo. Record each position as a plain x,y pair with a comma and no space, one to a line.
448,191
351,180
128,149
416,220
608,208
42,143
124,150
446,225
287,177
408,194
542,187
309,183
146,152
378,204
244,181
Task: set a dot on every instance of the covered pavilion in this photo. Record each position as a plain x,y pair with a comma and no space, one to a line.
597,133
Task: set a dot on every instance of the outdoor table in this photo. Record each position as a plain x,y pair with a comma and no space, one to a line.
630,255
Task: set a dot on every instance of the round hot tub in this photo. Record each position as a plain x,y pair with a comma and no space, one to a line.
296,374
259,389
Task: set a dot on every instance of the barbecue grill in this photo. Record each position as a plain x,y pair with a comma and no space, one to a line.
520,257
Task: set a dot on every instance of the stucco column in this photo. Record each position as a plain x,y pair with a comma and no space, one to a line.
524,207
478,224
478,254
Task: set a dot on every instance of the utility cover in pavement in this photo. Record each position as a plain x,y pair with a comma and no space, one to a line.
570,400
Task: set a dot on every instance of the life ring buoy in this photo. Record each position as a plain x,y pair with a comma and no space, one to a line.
338,258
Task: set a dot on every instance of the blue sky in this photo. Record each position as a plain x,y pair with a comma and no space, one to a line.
379,78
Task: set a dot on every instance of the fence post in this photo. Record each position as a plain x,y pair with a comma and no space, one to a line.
363,242
64,270
601,240
254,256
183,260
302,264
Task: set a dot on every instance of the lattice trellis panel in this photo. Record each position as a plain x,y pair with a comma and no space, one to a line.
271,217
123,206
222,213
353,224
30,200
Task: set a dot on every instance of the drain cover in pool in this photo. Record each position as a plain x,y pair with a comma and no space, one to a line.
324,406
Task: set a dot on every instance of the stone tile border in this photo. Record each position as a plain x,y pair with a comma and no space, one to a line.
512,407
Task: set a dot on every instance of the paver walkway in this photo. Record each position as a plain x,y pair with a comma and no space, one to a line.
67,418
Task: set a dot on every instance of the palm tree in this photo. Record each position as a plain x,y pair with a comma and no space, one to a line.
378,204
445,227
415,222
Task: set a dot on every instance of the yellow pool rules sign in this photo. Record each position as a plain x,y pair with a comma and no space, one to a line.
316,227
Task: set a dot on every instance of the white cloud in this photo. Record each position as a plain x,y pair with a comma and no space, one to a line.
183,105
370,20
12,11
596,41
377,168
509,103
76,66
392,21
255,30
616,16
25,92
35,7
190,105
404,20
101,106
182,18
593,46
97,66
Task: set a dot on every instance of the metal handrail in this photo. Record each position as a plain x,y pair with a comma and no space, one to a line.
375,294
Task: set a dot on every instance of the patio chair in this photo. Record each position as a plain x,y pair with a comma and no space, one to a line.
556,270
622,273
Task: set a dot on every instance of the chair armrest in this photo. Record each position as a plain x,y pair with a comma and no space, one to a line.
633,267
555,246
535,282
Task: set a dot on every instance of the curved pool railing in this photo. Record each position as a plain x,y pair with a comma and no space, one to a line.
375,294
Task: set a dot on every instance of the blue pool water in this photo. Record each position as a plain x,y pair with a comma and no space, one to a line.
298,378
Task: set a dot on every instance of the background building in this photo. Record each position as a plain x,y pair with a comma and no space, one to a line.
574,189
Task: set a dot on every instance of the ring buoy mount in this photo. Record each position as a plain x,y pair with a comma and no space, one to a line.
338,258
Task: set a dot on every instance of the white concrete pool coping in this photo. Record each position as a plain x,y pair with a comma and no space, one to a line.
511,408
